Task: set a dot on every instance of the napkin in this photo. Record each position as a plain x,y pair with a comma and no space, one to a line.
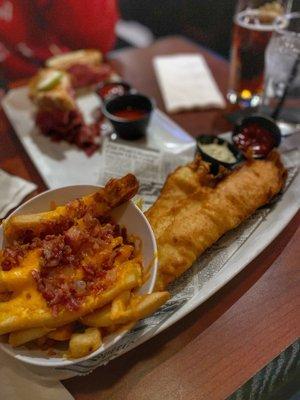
12,191
18,383
186,83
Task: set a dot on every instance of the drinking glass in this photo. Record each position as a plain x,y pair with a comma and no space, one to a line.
282,65
253,24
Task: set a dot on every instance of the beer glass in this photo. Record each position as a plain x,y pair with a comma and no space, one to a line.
253,24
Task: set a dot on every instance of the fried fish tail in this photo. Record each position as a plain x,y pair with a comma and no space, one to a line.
201,220
115,192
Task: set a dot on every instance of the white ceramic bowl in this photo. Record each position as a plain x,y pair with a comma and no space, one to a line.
128,215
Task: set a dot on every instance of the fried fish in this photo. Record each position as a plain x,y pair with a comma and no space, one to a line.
184,181
200,218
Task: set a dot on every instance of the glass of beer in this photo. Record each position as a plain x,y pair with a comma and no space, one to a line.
254,22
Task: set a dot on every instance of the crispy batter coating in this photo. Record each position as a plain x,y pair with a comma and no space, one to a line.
184,181
202,217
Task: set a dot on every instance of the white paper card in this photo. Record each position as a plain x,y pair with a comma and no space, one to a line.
186,82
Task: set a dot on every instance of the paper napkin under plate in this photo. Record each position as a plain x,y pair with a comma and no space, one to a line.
186,83
18,383
12,191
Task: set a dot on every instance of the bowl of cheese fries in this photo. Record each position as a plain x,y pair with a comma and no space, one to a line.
78,268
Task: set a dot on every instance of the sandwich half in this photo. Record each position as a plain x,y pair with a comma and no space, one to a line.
86,67
57,114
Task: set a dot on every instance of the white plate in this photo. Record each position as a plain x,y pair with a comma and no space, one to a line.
128,215
60,163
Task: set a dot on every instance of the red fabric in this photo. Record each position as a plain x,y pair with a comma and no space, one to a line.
33,30
90,22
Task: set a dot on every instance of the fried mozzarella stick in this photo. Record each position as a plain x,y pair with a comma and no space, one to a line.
181,183
115,192
199,221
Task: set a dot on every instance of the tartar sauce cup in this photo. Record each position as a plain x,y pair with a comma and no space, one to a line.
212,157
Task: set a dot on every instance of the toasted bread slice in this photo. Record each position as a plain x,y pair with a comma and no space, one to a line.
50,89
66,60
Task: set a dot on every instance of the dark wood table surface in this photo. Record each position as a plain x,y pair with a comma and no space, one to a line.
224,342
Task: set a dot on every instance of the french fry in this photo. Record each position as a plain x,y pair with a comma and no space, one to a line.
99,318
17,278
115,192
27,312
82,344
21,312
27,335
140,307
124,254
62,333
119,304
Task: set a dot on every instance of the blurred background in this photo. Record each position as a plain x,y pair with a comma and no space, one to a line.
33,30
207,22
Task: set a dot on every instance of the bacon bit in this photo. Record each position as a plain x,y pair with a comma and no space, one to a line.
80,286
89,272
78,208
90,222
56,252
5,296
75,237
27,236
57,294
12,256
63,255
111,276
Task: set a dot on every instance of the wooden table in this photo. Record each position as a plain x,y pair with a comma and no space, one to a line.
219,346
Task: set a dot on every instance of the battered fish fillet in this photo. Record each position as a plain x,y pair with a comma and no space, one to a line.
184,181
200,219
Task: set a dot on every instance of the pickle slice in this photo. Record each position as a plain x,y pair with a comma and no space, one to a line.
50,81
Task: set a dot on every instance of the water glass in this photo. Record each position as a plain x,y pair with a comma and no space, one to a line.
282,53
